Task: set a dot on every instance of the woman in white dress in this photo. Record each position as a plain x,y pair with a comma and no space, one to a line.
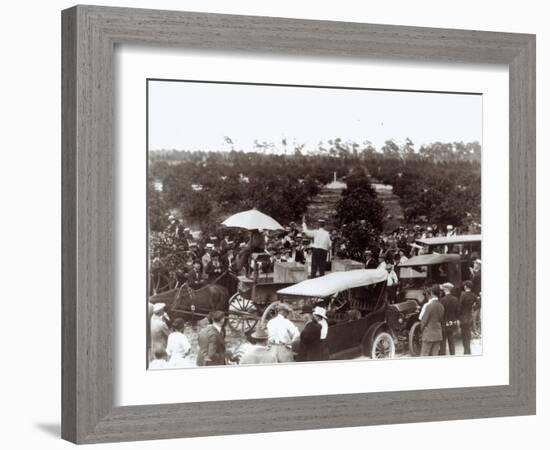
177,347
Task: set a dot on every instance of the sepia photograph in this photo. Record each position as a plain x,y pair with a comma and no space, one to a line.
295,224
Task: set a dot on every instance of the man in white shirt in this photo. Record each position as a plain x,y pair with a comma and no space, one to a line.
320,247
282,333
159,330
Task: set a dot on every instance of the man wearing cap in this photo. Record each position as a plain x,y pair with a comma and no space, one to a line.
370,261
450,319
159,330
282,333
320,247
227,260
431,317
212,342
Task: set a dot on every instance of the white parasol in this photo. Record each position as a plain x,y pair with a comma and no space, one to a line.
252,220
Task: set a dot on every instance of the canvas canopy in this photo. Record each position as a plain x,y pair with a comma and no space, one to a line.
429,260
335,282
451,240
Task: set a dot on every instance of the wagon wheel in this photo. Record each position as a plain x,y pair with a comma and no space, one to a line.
383,346
415,339
242,314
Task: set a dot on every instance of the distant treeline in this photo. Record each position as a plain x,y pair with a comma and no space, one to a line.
439,184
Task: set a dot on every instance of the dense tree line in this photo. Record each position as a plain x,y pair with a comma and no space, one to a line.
206,187
438,184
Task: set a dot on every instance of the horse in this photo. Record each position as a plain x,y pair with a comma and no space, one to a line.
209,298
212,297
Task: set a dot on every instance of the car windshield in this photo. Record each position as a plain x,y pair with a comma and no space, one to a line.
418,276
413,272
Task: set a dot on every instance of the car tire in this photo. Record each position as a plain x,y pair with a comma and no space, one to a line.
415,339
383,346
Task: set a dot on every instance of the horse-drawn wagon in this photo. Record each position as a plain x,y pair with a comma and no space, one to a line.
243,298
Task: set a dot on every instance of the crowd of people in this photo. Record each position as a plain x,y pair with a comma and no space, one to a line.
170,346
205,258
447,311
201,259
443,314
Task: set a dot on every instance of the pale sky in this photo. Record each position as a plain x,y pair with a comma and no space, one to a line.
198,116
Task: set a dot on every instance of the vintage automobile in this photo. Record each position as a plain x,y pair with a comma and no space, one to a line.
415,275
422,271
355,302
468,246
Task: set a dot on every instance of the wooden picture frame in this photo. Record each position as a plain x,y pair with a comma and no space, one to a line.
89,37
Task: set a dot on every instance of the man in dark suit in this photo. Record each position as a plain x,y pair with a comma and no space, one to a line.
194,277
431,318
212,342
227,260
475,276
467,303
450,319
370,261
299,251
310,341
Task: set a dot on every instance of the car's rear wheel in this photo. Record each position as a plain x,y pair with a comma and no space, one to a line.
415,339
383,346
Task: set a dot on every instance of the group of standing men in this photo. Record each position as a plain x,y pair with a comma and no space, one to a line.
282,333
443,314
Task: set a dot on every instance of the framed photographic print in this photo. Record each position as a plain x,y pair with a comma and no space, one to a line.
251,199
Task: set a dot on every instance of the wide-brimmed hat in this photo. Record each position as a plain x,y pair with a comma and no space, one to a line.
319,311
158,307
447,285
259,333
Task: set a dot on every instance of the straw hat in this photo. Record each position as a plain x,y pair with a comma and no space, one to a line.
319,311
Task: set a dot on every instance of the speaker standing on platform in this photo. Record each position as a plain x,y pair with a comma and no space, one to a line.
320,247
